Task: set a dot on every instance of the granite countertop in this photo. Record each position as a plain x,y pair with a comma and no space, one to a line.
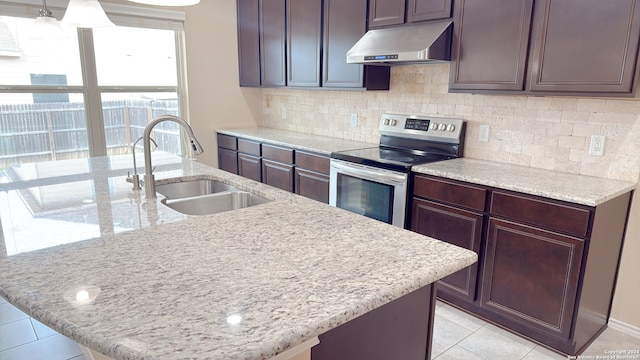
578,189
314,143
84,254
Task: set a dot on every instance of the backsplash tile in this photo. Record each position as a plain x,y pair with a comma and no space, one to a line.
543,132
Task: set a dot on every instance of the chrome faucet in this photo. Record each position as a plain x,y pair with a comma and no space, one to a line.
149,181
135,179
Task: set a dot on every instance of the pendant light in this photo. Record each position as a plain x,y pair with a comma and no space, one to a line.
167,2
46,26
86,14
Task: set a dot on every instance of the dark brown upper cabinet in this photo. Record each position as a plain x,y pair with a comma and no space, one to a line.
585,45
555,47
345,21
249,42
422,10
304,43
395,12
272,42
304,36
490,42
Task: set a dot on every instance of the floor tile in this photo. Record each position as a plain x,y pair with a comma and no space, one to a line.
56,347
446,334
16,333
542,353
491,342
458,353
611,340
42,331
460,317
10,313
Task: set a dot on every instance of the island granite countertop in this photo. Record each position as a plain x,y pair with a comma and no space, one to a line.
574,188
86,255
300,141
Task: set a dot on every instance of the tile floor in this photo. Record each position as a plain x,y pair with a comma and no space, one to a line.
457,336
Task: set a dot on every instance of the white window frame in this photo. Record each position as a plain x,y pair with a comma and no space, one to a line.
122,15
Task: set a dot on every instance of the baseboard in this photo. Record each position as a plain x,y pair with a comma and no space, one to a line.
624,327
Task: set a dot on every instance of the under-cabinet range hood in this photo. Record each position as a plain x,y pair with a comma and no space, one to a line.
420,43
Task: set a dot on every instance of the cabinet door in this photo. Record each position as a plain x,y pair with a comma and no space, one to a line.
386,12
272,42
421,10
249,42
585,45
228,160
312,184
455,226
304,30
345,21
490,42
250,166
277,174
530,276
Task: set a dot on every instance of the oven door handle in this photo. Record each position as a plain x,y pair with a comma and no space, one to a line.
369,173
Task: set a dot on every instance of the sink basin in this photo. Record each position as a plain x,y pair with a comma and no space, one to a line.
191,188
214,203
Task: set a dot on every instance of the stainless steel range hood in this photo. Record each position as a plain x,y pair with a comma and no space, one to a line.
420,43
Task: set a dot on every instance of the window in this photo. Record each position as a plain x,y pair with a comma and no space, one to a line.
92,92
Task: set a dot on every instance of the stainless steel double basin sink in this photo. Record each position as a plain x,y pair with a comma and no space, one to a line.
206,196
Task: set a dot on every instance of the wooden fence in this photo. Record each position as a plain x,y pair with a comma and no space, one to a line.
55,131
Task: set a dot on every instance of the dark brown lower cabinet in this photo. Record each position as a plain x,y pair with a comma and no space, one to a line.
546,268
531,276
303,172
401,329
312,184
228,160
455,226
277,174
250,166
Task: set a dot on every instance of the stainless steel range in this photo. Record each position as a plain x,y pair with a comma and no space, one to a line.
374,181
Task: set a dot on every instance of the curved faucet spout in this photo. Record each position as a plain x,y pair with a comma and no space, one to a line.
196,148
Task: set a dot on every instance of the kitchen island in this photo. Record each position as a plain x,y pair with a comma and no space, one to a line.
132,279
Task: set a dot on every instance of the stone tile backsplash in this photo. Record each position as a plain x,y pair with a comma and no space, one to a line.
542,132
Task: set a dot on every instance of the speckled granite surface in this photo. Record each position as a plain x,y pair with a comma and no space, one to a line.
319,144
132,279
579,189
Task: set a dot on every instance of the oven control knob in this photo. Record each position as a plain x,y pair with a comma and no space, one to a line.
387,121
394,122
451,127
442,127
434,126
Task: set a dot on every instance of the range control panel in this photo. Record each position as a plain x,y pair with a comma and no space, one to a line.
421,127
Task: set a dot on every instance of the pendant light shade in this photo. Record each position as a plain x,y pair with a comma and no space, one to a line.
86,14
167,2
46,26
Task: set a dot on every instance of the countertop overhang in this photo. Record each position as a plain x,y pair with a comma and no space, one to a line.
145,282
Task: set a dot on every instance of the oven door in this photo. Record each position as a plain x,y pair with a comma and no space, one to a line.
373,192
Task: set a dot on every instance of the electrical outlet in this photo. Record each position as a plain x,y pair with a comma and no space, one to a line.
284,112
597,145
354,120
484,133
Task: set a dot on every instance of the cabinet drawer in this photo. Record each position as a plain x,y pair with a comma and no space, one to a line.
471,197
313,162
249,147
227,142
541,213
276,153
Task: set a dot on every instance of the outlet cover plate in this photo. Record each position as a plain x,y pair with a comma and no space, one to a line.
597,145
